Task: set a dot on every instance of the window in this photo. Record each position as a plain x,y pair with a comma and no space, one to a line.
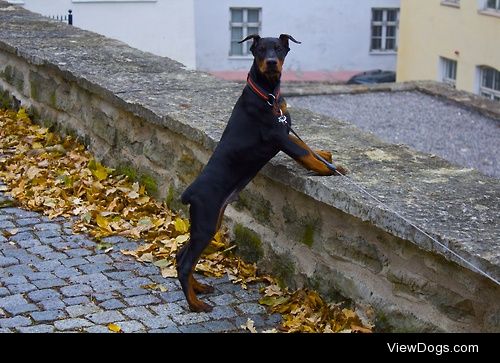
449,71
490,83
453,3
114,1
384,30
244,22
493,4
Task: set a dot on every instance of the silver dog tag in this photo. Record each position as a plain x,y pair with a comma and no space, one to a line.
282,119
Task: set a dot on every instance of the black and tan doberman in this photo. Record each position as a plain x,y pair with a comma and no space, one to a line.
257,130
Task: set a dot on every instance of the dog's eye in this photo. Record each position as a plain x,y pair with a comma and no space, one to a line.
278,48
261,49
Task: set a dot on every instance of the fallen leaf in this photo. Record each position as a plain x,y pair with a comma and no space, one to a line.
168,272
159,287
114,328
249,326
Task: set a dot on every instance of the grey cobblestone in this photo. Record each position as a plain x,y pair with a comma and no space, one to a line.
52,280
112,304
158,322
55,282
14,280
72,324
28,243
138,313
54,256
17,299
105,286
20,308
4,224
78,252
65,272
97,259
41,276
137,282
91,268
190,318
194,328
74,262
106,317
123,275
76,290
147,270
251,308
142,300
100,329
224,299
219,326
21,270
41,249
77,300
222,312
23,236
52,304
46,294
169,329
168,309
20,288
48,315
27,221
130,326
42,328
104,296
8,261
15,322
48,233
133,292
47,265
172,296
76,311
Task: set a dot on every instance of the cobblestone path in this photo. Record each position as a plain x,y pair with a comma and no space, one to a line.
53,280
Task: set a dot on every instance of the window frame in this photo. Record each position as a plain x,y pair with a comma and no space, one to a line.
451,3
384,23
114,1
448,65
245,25
495,7
491,93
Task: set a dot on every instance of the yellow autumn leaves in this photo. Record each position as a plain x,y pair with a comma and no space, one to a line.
58,177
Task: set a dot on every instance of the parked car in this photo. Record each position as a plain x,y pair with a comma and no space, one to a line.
374,76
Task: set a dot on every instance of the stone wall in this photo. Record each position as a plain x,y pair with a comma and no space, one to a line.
150,117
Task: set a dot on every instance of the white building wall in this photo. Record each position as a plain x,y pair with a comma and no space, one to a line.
162,27
335,34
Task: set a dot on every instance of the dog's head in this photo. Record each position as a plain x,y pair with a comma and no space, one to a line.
270,53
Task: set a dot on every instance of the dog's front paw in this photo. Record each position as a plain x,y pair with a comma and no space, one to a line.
325,155
341,170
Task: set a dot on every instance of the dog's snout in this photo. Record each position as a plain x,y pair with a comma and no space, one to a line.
272,62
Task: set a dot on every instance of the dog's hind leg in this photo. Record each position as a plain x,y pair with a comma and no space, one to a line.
203,223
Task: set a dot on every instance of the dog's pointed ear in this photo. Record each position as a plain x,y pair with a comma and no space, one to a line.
255,38
284,39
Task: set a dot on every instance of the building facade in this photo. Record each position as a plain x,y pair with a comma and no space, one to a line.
336,35
453,41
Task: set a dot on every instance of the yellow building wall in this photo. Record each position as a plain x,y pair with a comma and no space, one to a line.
430,30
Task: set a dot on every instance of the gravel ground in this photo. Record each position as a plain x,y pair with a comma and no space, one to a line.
423,122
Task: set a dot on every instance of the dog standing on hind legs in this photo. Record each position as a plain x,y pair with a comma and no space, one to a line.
257,130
